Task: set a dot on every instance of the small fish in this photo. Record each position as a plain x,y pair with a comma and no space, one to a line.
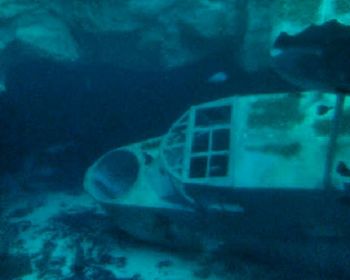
218,78
59,148
323,109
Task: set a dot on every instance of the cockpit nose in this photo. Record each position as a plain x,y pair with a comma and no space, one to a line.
113,175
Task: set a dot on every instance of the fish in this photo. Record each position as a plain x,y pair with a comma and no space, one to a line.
218,77
316,58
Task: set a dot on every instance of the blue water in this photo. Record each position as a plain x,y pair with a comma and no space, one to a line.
101,106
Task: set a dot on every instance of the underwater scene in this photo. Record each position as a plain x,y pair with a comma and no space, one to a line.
174,139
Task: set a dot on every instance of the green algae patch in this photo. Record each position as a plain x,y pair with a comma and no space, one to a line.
286,151
279,113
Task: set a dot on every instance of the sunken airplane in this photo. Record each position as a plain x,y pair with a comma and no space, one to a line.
246,172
